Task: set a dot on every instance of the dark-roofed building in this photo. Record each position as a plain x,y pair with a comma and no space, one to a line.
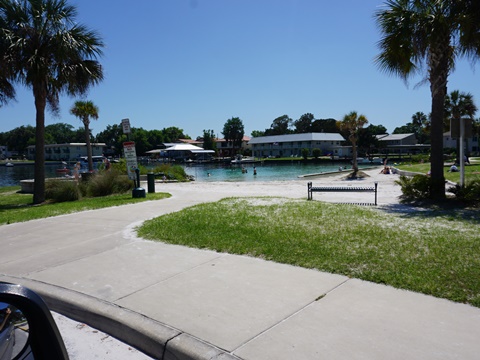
401,143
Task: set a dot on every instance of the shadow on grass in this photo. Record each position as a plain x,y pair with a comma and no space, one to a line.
432,211
6,207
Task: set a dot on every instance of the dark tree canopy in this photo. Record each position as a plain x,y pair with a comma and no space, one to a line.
325,125
234,131
209,140
280,126
304,123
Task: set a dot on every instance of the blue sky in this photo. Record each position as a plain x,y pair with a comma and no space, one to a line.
194,64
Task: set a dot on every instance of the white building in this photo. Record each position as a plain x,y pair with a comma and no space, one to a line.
471,144
292,145
67,152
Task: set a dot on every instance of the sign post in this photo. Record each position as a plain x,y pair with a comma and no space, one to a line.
126,126
461,130
131,157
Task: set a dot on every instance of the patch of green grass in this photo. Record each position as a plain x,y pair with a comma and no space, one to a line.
433,252
471,171
17,207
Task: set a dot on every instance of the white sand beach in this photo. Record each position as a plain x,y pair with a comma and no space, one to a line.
388,191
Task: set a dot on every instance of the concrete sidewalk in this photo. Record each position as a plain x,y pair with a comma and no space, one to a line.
173,302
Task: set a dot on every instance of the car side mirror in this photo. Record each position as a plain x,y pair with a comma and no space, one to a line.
27,329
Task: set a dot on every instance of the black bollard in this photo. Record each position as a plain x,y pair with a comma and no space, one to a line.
138,192
151,182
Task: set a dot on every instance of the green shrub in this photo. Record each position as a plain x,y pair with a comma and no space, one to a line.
414,188
421,158
172,172
107,183
305,153
470,193
61,190
316,153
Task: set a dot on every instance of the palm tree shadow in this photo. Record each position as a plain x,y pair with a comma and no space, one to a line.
421,212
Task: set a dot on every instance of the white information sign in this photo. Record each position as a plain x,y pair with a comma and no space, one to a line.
126,126
131,157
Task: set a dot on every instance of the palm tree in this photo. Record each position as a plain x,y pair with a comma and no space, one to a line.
459,107
85,110
43,48
352,123
431,35
420,124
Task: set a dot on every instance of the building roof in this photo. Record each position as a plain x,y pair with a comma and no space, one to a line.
183,147
245,138
395,137
69,144
189,141
297,137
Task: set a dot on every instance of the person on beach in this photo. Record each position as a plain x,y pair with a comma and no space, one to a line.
107,164
76,171
385,170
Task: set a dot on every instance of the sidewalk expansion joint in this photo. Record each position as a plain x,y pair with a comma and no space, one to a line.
171,277
318,298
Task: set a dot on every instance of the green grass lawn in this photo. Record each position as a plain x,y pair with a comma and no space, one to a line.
432,252
472,171
17,207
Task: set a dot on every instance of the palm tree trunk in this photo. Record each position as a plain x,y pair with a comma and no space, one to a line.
89,147
437,190
354,157
40,95
438,75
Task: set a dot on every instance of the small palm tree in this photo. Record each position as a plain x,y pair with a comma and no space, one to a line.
86,110
459,106
429,35
352,123
44,48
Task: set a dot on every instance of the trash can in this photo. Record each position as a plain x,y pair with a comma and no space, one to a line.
151,182
138,193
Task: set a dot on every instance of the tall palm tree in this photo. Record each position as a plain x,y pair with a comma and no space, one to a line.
7,91
43,48
431,35
352,123
85,110
459,106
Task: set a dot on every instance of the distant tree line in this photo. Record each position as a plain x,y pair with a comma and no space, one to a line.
21,137
284,125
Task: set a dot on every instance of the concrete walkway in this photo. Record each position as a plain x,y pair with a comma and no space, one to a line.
173,302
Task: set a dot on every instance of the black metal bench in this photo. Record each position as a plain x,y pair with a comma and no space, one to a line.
312,189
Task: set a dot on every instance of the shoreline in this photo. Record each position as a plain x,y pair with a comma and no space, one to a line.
388,190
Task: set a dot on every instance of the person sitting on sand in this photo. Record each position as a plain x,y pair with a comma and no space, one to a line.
385,170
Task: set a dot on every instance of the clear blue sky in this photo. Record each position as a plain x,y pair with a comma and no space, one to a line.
194,64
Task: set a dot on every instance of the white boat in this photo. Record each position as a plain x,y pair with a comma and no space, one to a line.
244,160
9,164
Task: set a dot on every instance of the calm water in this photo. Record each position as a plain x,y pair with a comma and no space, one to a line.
10,176
268,172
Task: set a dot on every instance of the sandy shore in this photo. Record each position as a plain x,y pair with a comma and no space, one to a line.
388,191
